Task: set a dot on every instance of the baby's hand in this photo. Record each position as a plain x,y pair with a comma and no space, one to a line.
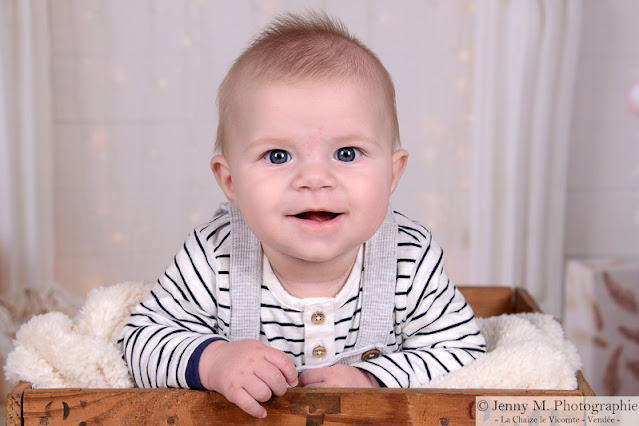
245,372
337,376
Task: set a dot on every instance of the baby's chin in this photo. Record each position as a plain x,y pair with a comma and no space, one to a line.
315,256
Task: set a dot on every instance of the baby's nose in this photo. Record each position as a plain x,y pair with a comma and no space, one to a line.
315,176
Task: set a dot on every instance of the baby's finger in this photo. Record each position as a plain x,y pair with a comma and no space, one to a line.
273,378
258,389
247,403
280,360
312,377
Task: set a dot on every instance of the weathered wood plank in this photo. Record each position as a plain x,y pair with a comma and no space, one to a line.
297,406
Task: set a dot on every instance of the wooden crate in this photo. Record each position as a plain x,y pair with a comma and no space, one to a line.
298,406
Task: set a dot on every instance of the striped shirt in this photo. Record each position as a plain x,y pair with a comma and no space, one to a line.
434,331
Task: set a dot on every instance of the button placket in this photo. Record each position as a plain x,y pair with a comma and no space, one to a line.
319,332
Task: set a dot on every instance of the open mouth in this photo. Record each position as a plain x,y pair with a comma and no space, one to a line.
317,216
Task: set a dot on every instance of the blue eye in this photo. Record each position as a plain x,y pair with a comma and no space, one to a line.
347,154
277,156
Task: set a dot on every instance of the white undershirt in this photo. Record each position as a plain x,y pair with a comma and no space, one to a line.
316,335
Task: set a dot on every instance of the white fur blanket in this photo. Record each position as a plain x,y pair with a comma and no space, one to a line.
525,351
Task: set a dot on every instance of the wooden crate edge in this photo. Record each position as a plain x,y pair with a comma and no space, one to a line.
524,302
583,385
28,391
487,301
14,403
160,405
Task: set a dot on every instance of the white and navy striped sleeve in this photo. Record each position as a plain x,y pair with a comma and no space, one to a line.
435,328
179,316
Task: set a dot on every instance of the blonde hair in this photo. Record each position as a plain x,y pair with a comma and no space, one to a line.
296,47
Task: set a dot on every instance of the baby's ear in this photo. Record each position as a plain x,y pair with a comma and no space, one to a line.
400,158
222,173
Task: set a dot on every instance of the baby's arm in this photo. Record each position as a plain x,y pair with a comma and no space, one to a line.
174,320
161,335
438,330
245,372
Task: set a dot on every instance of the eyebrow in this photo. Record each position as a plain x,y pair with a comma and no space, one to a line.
269,141
354,137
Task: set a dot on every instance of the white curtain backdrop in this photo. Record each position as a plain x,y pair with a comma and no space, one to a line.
26,240
526,55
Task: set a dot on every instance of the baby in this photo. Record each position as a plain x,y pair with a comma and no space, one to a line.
306,277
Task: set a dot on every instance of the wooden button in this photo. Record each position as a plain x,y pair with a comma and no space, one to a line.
319,352
369,355
317,318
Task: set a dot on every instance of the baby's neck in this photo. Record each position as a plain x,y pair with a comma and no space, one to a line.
304,279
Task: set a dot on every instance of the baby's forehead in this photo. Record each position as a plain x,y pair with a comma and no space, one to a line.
251,87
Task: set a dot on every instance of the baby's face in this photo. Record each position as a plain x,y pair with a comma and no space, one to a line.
311,166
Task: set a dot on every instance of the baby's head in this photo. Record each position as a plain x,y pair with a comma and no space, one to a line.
309,139
297,48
